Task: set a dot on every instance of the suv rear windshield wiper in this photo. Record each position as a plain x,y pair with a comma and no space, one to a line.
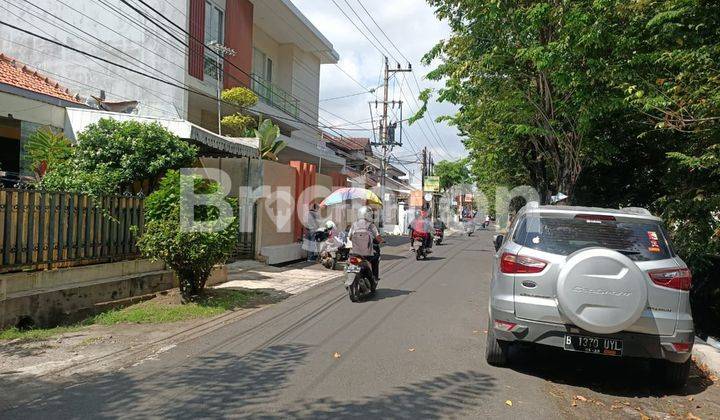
626,252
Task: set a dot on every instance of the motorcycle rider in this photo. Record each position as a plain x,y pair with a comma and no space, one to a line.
421,226
363,235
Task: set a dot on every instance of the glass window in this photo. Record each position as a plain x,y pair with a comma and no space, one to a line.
641,240
269,71
214,33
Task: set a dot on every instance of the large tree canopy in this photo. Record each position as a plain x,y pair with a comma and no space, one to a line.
531,78
613,102
452,173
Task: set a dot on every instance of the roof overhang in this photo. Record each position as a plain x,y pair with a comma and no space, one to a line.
78,119
37,96
287,25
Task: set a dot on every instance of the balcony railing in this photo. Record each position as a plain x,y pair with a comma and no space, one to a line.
274,96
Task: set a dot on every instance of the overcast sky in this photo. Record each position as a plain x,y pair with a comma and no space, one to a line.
414,29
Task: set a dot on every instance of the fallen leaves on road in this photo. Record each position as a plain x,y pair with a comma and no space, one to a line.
580,398
508,403
336,355
691,416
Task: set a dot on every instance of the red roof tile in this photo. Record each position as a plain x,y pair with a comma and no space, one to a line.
21,76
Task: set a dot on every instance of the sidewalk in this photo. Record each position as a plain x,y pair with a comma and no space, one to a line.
99,348
292,279
707,358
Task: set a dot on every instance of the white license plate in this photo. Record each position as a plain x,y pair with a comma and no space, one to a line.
352,269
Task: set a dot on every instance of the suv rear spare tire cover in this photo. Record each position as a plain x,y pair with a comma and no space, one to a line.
601,290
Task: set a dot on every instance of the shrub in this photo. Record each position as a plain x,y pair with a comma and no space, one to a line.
191,255
112,154
240,96
238,125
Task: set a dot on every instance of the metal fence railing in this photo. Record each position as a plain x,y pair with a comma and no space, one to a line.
39,228
274,95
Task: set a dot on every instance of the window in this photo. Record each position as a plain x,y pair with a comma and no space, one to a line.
269,70
214,33
642,240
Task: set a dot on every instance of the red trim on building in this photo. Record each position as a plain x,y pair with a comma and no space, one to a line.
196,58
305,177
239,37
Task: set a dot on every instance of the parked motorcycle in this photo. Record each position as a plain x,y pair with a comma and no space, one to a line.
334,250
359,279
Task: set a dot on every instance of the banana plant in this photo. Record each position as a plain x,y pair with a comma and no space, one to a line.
47,147
267,134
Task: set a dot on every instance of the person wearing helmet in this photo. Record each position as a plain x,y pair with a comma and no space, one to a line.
421,226
364,235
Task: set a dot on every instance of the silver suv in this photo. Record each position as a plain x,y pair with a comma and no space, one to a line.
591,280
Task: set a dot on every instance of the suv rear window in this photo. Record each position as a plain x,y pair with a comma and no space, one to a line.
641,240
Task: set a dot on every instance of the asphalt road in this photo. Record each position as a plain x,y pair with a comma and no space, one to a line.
414,351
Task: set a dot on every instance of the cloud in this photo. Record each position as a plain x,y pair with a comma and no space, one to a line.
414,29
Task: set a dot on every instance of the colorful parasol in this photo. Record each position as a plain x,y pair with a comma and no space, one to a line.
345,195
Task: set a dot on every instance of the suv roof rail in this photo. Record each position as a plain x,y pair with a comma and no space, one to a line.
636,210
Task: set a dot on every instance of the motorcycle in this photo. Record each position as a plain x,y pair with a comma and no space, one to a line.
439,235
421,252
469,227
359,279
333,251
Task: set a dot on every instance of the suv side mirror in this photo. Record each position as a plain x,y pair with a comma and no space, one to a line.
499,241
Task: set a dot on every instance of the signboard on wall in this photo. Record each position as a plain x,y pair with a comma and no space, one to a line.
432,183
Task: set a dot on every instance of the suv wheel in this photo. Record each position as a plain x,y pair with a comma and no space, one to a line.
496,351
676,374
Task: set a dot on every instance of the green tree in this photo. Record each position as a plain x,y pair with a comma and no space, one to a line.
452,173
190,254
531,78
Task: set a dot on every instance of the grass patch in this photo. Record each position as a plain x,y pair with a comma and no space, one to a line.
212,303
162,309
36,334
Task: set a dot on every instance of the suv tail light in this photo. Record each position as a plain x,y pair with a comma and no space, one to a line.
674,278
519,264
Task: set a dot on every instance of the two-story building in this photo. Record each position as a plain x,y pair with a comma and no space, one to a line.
278,54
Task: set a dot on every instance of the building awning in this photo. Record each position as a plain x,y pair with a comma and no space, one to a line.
78,119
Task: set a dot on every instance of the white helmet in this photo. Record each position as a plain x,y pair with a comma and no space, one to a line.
329,225
366,213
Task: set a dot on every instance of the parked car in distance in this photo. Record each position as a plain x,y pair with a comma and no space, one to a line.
602,281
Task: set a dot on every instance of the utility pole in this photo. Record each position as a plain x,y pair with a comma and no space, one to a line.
221,51
387,130
424,173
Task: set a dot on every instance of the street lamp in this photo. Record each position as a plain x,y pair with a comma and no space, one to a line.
221,52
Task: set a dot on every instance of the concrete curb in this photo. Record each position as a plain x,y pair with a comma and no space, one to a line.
707,357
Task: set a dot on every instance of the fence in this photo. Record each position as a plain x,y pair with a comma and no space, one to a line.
57,229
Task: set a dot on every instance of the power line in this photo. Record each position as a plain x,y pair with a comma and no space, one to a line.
202,42
352,95
154,93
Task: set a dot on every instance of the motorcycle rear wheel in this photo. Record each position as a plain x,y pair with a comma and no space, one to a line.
354,292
